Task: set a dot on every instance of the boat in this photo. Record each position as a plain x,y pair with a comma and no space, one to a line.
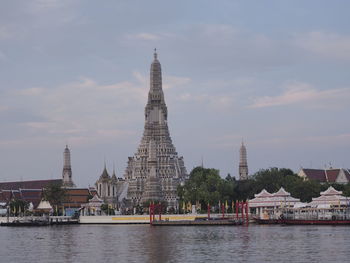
325,214
269,221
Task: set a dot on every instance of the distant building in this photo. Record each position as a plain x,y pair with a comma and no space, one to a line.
155,170
75,198
31,196
35,184
67,169
266,204
243,163
110,188
331,175
330,197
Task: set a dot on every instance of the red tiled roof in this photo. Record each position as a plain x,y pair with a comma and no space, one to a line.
5,196
76,197
78,191
332,175
315,174
37,184
31,195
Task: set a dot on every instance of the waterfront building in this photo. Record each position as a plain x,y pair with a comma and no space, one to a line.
155,170
266,204
75,198
67,169
331,175
93,207
328,198
243,163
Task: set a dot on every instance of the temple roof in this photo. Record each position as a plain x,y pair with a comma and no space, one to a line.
36,184
331,191
325,175
282,192
104,174
263,194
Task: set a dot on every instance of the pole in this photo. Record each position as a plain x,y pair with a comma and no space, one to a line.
236,206
223,210
208,211
247,212
150,213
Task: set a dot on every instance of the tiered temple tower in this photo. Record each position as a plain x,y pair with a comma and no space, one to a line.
67,169
243,164
155,170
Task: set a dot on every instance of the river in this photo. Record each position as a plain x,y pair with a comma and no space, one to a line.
142,243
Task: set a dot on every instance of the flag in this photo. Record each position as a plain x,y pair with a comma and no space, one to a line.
226,205
189,206
219,205
233,205
184,206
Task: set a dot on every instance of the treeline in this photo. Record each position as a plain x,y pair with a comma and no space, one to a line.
206,186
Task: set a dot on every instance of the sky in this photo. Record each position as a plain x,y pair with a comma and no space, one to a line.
272,73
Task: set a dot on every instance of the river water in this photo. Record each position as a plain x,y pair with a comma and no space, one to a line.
142,243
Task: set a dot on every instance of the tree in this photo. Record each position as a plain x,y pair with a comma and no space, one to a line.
107,209
18,206
55,194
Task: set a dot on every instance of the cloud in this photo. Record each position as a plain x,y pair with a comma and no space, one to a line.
341,139
83,111
80,109
3,108
304,93
171,82
329,45
30,91
222,102
144,36
5,32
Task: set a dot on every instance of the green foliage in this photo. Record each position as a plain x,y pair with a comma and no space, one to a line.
55,194
107,209
18,206
206,186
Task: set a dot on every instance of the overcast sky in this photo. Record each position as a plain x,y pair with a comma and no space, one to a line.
275,73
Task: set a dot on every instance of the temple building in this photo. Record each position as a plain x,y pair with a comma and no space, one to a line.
331,175
155,170
67,169
243,163
110,188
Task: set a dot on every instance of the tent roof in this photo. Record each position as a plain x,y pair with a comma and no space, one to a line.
44,205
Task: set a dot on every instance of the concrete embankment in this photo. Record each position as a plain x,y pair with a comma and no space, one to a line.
142,219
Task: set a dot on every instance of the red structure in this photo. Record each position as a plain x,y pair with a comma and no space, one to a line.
153,209
208,211
242,211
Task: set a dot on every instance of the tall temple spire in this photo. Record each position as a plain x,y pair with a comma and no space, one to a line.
67,169
243,163
156,156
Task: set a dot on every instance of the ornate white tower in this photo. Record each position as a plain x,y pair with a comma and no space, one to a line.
67,169
243,164
155,170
